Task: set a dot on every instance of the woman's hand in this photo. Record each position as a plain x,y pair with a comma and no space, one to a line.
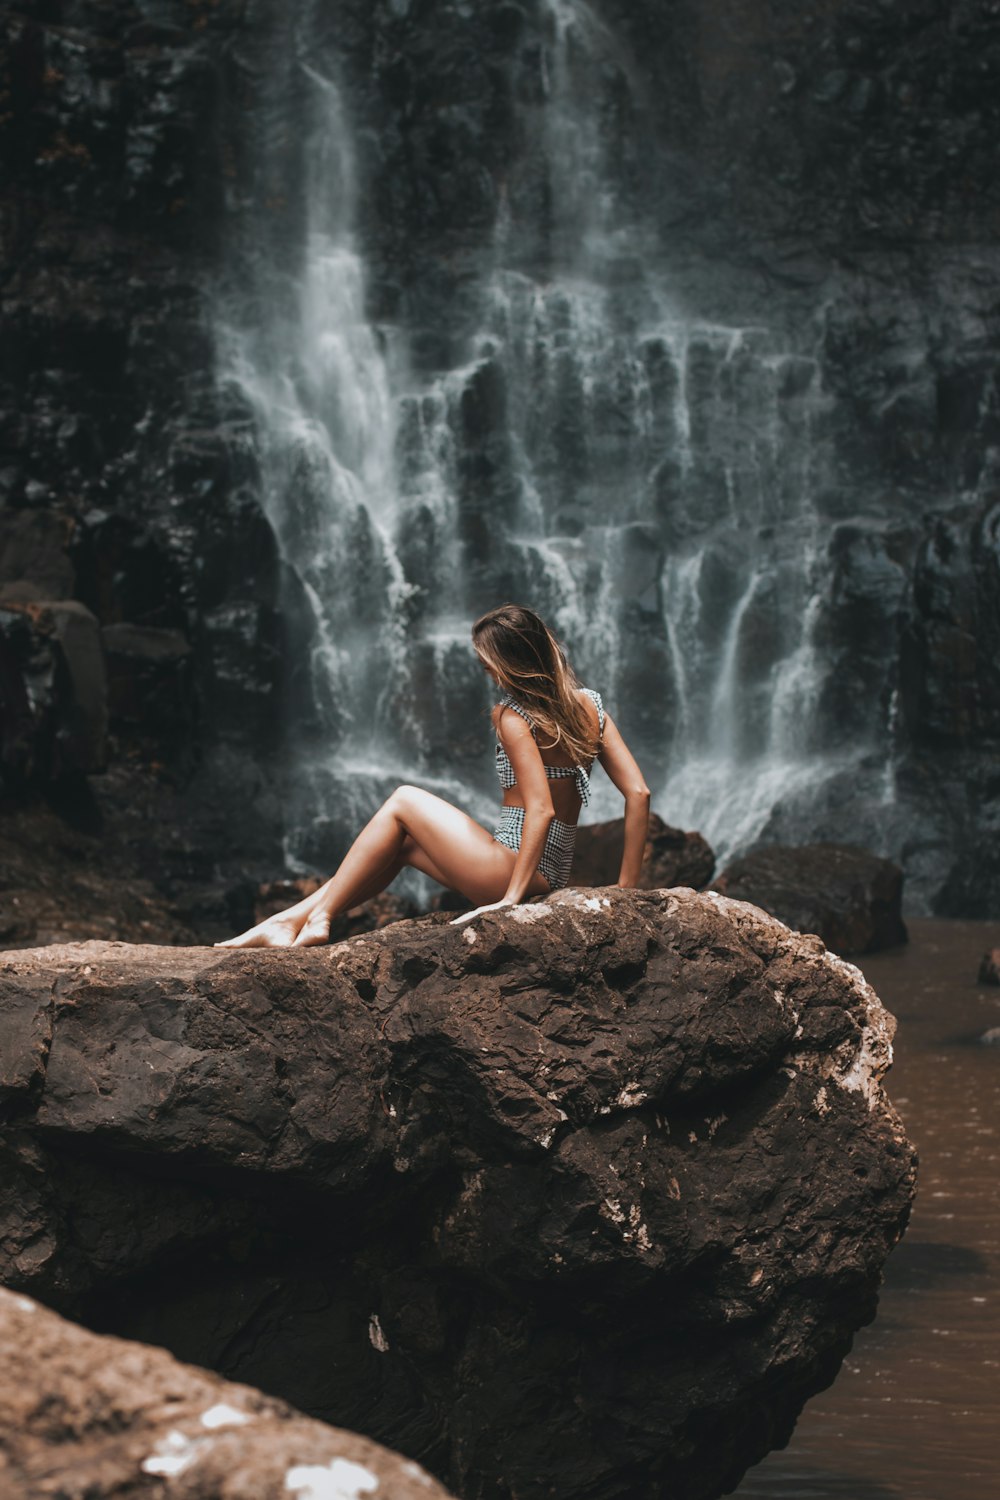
467,916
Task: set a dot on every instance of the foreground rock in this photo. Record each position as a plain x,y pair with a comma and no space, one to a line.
82,1415
585,1197
671,857
847,896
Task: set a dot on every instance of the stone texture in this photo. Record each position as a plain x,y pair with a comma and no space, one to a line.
586,1196
847,896
671,857
101,1417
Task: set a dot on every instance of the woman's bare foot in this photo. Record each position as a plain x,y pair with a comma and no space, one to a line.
279,931
315,929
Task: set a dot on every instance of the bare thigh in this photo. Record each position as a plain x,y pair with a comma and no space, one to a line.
454,849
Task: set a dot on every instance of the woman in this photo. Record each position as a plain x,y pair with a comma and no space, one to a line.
549,731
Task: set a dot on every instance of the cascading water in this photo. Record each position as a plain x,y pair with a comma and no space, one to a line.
296,344
642,476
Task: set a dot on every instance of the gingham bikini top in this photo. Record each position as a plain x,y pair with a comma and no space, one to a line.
580,774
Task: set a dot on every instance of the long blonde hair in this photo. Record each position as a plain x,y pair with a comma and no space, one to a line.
524,656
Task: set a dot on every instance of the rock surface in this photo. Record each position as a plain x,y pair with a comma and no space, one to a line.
671,857
83,1415
586,1196
847,896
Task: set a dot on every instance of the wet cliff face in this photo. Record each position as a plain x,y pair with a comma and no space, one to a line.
826,175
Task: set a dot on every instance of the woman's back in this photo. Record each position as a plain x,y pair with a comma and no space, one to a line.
569,783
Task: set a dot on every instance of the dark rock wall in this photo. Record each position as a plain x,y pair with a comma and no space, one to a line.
833,161
117,489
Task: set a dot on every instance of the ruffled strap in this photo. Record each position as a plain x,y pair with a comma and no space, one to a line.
599,705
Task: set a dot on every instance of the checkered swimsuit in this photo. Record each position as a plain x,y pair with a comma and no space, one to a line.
557,856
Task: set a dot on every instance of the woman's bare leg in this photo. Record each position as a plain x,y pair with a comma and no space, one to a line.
281,929
412,828
429,834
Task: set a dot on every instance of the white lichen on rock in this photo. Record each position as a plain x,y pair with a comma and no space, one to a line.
533,913
224,1416
339,1480
173,1454
630,1096
376,1335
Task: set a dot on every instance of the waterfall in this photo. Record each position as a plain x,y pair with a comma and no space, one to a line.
346,455
643,475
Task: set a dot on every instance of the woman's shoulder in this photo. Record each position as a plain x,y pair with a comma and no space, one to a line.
589,695
508,702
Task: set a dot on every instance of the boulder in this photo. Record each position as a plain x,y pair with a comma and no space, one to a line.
148,679
53,690
585,1196
671,857
101,1417
989,968
847,896
34,555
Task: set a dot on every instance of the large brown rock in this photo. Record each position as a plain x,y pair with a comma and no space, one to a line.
586,1196
671,856
849,897
100,1417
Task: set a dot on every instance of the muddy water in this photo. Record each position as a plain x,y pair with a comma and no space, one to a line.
915,1412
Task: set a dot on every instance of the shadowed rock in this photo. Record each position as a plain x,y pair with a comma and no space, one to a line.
53,691
989,968
101,1417
586,1196
846,895
671,856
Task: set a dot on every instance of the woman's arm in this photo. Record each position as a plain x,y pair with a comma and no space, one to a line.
532,783
620,764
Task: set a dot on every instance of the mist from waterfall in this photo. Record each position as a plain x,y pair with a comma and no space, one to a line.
649,487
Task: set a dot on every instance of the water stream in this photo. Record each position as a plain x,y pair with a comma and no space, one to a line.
913,1414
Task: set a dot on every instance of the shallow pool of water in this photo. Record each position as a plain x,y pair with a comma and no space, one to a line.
915,1412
